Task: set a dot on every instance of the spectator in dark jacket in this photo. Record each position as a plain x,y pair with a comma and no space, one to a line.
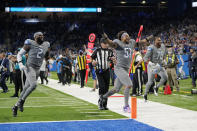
193,66
4,69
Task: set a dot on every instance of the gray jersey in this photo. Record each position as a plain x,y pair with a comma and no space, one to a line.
124,53
36,53
155,55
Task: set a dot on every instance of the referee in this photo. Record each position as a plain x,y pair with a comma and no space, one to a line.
101,59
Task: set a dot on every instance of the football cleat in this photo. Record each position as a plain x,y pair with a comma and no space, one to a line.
127,109
21,109
145,98
100,103
155,90
14,111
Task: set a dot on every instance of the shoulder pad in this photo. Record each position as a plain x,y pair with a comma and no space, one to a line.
47,43
131,40
116,40
27,42
149,48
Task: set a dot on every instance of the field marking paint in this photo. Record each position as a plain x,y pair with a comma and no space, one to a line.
64,121
190,97
71,99
97,115
65,105
28,98
65,99
80,107
73,102
92,112
87,110
186,96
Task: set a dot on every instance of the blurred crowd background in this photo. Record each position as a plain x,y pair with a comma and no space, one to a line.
72,30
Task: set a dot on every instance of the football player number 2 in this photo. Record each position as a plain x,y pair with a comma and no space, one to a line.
39,55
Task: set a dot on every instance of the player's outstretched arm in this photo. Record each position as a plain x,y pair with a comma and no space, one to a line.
145,41
108,41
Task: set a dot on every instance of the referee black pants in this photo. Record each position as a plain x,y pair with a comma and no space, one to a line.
59,75
43,77
18,82
103,79
137,82
68,76
82,75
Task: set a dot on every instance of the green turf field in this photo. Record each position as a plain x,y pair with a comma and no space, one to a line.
183,99
46,104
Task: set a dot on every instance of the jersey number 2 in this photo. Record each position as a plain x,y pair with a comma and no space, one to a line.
39,55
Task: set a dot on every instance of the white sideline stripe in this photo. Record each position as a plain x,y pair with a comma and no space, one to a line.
97,115
92,112
63,121
147,112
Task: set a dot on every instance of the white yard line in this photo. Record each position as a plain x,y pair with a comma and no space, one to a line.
72,102
93,112
28,98
97,115
43,106
81,107
87,109
158,115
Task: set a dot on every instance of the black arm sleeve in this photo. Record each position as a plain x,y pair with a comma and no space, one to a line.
94,54
47,55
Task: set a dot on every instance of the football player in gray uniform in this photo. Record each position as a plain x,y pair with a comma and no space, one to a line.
124,47
155,55
37,50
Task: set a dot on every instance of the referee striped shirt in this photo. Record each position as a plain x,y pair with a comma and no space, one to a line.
102,56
